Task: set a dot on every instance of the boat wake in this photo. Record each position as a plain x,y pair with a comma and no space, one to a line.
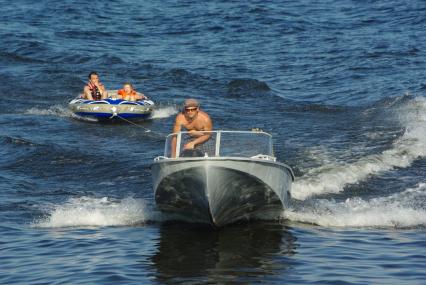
401,210
404,209
334,176
87,211
164,112
55,110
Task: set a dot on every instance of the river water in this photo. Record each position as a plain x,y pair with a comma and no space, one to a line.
339,84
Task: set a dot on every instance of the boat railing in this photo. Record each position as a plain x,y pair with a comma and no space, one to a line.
253,144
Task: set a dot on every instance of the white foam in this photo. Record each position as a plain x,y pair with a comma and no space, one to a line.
333,176
405,209
87,211
58,111
164,112
55,110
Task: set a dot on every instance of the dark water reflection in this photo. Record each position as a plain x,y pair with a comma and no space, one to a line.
237,254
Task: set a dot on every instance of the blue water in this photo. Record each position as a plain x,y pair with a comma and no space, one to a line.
339,84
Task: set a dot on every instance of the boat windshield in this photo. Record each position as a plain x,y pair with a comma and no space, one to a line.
222,143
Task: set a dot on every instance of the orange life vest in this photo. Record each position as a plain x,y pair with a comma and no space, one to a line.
123,93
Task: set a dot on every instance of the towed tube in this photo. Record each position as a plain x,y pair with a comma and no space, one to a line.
110,108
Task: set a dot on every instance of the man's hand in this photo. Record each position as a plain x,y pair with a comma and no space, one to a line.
195,133
189,145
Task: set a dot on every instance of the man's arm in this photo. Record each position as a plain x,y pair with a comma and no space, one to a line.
176,128
87,93
104,93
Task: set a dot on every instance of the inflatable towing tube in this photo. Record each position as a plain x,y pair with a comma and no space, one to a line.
112,108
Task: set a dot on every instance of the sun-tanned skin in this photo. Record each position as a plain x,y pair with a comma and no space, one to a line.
194,121
94,79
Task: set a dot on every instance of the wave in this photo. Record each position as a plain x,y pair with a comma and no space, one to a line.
56,110
401,210
246,86
332,177
14,57
103,212
87,211
165,112
17,141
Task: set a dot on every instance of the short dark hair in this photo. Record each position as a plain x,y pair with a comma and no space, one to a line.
92,73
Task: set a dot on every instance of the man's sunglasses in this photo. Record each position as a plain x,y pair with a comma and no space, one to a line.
191,109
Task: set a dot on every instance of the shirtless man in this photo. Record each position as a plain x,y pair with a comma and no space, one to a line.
194,121
94,90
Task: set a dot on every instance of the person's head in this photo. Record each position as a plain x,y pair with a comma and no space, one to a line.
128,87
93,76
191,108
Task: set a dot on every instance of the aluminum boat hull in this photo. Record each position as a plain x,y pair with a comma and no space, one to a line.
221,191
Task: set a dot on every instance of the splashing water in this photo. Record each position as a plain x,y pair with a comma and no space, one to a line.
164,112
402,210
56,110
86,211
409,147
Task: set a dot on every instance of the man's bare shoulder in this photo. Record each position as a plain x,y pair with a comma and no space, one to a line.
180,117
204,115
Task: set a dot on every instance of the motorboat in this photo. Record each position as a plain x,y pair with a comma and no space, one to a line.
112,108
232,177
